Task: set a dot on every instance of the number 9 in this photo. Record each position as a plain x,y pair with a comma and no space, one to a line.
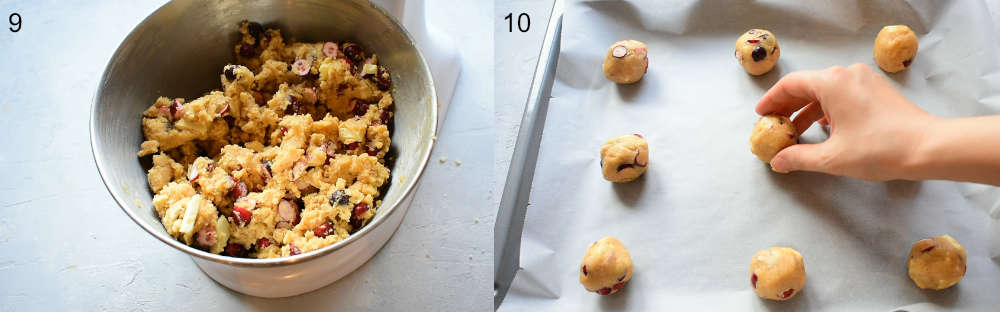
15,23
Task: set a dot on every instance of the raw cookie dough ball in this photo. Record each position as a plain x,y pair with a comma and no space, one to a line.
936,262
895,47
777,273
626,61
757,51
624,158
771,134
606,266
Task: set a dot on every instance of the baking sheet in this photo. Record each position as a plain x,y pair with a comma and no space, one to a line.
706,204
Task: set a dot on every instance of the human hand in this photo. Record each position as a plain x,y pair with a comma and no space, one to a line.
874,130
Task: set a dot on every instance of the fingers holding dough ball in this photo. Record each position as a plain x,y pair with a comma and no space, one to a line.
777,273
624,158
895,48
757,51
626,61
771,134
936,262
606,266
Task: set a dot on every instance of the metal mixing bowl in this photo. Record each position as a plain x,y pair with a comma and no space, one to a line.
180,50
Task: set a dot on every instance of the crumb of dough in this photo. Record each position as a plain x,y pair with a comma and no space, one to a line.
434,138
476,220
458,162
443,159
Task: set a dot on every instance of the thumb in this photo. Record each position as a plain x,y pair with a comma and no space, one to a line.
806,157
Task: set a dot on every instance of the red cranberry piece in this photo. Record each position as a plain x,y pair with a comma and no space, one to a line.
324,229
359,210
753,280
288,211
753,40
301,67
255,29
206,237
353,52
193,174
340,198
625,166
283,130
293,250
372,151
620,278
788,293
330,49
638,135
584,269
330,149
234,250
225,110
165,112
604,291
384,117
230,72
293,106
242,216
907,63
928,249
176,109
619,51
645,69
353,145
239,190
759,54
382,79
618,286
263,242
246,50
360,108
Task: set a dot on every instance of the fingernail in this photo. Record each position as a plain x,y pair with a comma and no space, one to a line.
779,165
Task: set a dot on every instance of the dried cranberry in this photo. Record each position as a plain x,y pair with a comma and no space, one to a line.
584,269
263,242
242,216
324,229
360,108
293,250
176,109
339,198
383,79
753,280
225,110
359,210
353,52
384,117
246,50
239,190
638,135
230,72
759,54
234,250
604,291
625,166
907,63
255,29
788,293
620,278
619,51
372,151
301,67
618,286
330,49
928,249
206,237
753,40
353,145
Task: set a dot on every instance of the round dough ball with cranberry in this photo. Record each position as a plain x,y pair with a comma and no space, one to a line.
777,273
606,266
626,61
936,262
624,158
757,51
895,48
771,134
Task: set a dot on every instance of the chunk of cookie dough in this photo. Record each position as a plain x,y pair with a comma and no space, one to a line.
777,273
936,262
606,267
771,134
626,61
895,48
624,158
757,51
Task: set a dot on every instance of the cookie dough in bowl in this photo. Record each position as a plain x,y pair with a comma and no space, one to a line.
606,266
777,273
624,158
626,61
757,51
770,135
936,262
895,48
198,67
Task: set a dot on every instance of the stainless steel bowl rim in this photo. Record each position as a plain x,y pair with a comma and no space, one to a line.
273,261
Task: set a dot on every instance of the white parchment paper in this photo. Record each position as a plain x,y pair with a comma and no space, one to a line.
706,204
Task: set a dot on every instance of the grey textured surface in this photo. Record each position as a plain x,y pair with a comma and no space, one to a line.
67,245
